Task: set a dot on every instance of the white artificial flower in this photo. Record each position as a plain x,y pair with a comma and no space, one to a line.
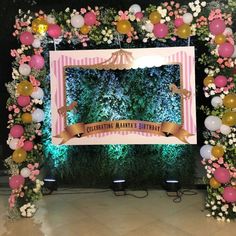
168,19
132,17
228,220
208,215
234,209
23,213
214,207
163,12
213,213
197,2
191,4
220,214
203,4
195,14
208,176
145,40
212,93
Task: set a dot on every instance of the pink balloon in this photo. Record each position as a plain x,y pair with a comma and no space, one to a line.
89,18
217,26
16,181
16,131
26,38
220,81
178,22
37,62
229,194
139,15
54,30
28,146
222,175
226,50
160,30
23,100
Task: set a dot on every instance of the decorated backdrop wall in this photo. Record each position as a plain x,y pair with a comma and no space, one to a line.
168,23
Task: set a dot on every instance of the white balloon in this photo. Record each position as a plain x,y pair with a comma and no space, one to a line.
234,54
36,43
135,8
216,101
213,123
13,143
149,27
77,21
187,18
24,69
51,19
38,115
38,94
205,151
225,129
228,31
25,172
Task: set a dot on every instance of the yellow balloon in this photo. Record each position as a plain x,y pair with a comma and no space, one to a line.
123,26
155,17
229,118
214,183
39,25
85,29
208,80
19,155
220,38
230,100
217,151
184,31
26,117
25,88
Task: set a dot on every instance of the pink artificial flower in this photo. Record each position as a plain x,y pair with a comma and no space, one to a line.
220,60
123,15
177,5
215,165
24,59
34,81
14,53
21,142
17,110
230,40
220,160
165,4
12,200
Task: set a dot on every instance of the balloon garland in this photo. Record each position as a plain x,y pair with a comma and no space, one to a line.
99,26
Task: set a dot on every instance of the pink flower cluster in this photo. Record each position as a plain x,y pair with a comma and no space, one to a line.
34,171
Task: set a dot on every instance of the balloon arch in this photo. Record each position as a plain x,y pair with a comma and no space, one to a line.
93,28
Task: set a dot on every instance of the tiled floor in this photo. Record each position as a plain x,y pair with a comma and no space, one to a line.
103,214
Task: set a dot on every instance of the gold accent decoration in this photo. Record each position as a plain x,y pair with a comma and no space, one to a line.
176,130
62,110
182,92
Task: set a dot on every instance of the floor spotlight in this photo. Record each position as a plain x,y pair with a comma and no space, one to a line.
172,185
50,185
119,186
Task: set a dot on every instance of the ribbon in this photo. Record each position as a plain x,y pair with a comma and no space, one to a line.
176,130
